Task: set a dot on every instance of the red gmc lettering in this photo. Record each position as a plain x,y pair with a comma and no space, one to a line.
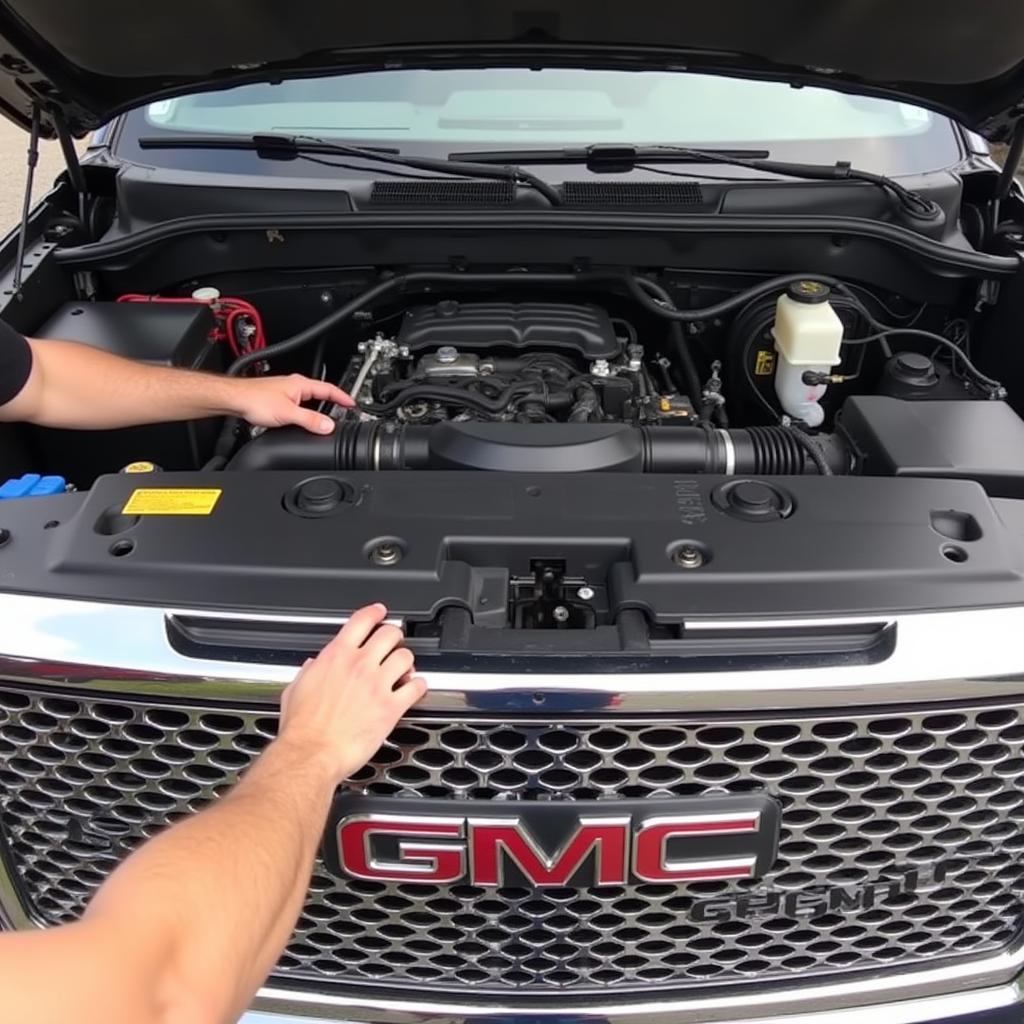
445,849
418,861
606,838
650,849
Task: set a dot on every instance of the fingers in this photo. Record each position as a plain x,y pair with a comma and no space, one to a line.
383,642
397,665
357,630
410,693
309,419
324,391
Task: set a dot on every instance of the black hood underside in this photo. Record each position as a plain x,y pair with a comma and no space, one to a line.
86,61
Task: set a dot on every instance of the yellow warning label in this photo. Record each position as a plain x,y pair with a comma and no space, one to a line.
765,363
168,501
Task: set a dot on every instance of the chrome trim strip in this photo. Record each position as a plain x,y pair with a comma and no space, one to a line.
917,1011
917,998
125,648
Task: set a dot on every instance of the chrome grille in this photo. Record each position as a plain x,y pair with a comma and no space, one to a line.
84,779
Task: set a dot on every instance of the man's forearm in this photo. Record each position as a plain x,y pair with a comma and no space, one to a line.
80,387
188,927
223,924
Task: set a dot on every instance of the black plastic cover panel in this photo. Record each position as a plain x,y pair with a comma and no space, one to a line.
982,441
492,326
165,333
849,546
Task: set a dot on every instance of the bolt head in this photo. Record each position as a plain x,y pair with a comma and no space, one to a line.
585,593
386,554
688,557
561,614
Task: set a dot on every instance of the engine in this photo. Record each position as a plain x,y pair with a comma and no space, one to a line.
512,362
538,387
554,372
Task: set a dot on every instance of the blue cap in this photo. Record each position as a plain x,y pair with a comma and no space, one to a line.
32,485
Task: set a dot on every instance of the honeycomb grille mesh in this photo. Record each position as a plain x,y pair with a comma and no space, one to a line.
84,779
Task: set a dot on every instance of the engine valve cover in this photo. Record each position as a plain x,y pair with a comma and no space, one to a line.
487,326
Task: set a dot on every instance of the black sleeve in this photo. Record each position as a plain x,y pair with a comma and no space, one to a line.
15,363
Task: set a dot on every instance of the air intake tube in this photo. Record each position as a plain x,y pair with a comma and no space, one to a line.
540,448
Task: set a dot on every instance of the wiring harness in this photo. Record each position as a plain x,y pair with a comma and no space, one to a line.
238,322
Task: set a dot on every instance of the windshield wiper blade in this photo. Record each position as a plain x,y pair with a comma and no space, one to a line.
610,158
270,144
600,155
294,147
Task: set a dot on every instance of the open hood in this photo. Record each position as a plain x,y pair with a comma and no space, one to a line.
86,60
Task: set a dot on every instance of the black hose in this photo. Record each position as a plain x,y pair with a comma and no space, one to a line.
958,353
647,293
640,288
685,357
812,450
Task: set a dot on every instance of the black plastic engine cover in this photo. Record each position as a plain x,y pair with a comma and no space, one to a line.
848,545
586,330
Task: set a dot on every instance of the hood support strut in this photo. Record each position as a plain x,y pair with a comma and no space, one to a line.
71,161
1006,176
1013,155
75,176
26,206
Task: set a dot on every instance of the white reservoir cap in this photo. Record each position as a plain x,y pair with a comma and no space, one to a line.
206,294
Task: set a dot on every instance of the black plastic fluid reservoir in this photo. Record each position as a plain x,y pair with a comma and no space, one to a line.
909,375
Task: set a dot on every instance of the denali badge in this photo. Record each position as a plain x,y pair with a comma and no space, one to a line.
553,844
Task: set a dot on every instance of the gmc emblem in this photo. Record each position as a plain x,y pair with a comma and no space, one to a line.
540,845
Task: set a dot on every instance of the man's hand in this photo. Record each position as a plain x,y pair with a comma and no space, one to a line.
81,388
277,401
345,702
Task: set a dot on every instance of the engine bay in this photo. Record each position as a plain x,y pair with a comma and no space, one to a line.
548,450
542,372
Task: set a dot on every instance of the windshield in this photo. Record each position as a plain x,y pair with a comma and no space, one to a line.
437,111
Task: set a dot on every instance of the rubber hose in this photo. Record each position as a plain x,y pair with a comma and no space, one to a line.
540,448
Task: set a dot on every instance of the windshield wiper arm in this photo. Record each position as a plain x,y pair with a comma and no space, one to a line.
293,147
624,158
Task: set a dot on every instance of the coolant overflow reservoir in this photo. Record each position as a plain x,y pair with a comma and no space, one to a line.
808,337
